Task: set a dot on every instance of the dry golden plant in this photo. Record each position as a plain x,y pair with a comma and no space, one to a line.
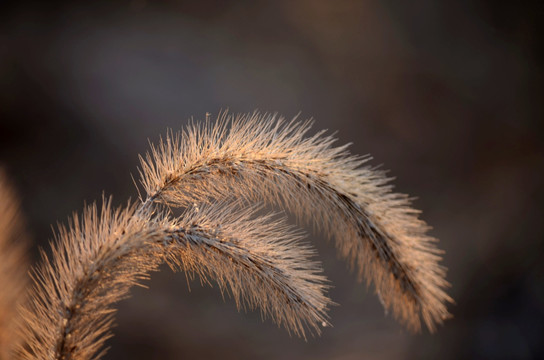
212,171
13,264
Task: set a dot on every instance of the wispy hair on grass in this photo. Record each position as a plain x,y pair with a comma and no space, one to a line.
211,171
262,157
100,255
260,261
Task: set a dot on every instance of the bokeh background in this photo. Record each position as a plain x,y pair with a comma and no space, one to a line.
448,95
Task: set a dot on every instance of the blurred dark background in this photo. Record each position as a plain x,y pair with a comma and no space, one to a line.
448,95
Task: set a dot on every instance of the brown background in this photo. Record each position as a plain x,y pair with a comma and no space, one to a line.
448,95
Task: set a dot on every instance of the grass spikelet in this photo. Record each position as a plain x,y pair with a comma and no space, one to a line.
261,157
100,255
258,260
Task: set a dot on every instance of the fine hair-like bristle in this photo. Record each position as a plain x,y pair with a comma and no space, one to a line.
100,255
94,262
266,158
258,260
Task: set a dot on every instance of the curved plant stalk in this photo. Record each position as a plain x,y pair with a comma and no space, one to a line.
13,265
268,159
99,256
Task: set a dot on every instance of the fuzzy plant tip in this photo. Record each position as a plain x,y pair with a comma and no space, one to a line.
195,216
263,157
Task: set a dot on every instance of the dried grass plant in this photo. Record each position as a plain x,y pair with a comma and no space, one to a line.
13,265
212,171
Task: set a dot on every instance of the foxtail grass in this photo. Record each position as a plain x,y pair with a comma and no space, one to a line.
194,215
